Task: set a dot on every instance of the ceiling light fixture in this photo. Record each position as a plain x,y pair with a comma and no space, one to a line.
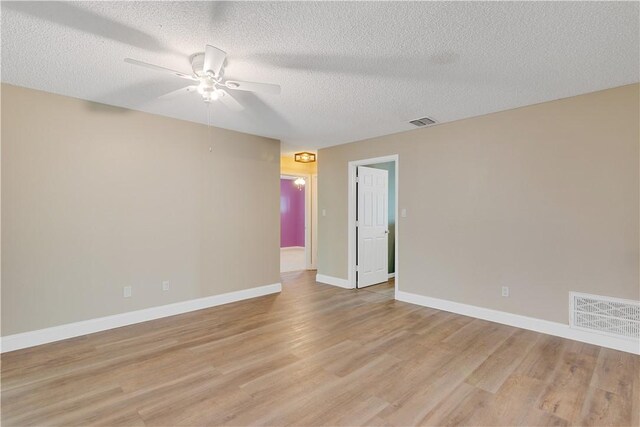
305,157
299,182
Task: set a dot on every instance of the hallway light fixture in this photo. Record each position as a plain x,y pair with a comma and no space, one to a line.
299,182
305,157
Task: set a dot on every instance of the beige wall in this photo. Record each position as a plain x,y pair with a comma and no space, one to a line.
543,199
95,198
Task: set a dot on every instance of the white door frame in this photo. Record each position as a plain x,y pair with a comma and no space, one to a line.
308,217
351,219
313,260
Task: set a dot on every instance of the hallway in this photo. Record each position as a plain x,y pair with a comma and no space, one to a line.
292,259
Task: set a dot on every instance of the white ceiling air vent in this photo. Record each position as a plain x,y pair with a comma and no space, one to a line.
605,315
425,121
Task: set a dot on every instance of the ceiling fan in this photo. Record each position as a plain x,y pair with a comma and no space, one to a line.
208,72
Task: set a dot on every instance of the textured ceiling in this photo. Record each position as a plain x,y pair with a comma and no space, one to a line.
348,70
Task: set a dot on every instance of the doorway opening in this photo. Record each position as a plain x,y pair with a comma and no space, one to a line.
296,238
373,225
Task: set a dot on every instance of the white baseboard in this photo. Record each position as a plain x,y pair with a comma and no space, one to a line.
70,330
335,281
524,322
286,248
392,275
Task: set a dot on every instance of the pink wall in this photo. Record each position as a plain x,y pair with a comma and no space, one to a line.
291,214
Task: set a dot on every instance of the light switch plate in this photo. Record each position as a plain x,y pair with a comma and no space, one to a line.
126,291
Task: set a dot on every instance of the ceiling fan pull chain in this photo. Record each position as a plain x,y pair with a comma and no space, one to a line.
209,126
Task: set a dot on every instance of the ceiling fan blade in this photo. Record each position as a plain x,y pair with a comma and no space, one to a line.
181,91
213,60
253,87
159,68
229,101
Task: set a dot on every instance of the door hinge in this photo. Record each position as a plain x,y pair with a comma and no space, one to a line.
357,223
357,268
357,179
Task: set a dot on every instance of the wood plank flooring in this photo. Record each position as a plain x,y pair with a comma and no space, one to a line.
319,355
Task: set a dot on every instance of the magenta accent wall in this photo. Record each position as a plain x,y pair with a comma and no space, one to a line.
291,214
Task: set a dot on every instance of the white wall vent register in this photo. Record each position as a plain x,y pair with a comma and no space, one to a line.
425,121
606,315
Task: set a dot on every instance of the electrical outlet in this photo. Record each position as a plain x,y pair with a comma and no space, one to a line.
126,291
324,212
403,213
165,285
505,291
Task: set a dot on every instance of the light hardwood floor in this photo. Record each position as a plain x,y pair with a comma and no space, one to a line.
388,288
292,259
319,355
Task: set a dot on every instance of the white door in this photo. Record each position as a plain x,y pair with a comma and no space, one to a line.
373,232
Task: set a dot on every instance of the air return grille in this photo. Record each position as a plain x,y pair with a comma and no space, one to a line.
605,315
425,121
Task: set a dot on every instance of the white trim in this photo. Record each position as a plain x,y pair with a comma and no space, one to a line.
291,248
70,330
392,275
335,281
351,216
524,322
313,254
291,177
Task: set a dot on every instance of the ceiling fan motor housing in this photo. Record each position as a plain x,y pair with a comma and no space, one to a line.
207,86
197,64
